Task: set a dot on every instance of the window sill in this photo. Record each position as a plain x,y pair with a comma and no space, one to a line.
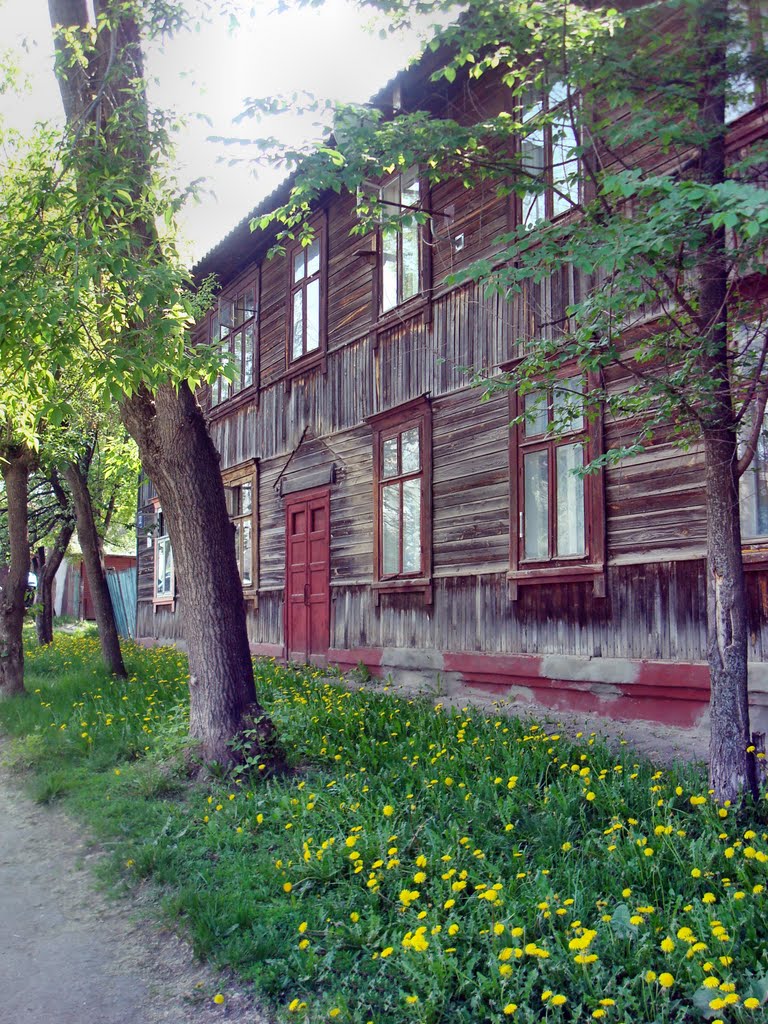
164,602
251,597
755,557
562,573
416,585
248,396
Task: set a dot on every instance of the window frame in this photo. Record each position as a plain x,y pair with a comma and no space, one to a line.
419,296
298,364
233,479
589,566
548,195
165,599
247,390
386,425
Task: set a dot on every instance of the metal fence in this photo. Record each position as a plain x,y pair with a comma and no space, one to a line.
122,588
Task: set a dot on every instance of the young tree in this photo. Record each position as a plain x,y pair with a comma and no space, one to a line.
613,141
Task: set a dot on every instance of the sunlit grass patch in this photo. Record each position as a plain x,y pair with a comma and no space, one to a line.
417,864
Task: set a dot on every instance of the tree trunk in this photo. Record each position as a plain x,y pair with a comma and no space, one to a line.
95,572
731,768
15,463
182,462
168,425
45,577
732,771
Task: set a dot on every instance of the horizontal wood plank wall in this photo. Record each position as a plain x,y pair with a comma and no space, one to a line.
470,483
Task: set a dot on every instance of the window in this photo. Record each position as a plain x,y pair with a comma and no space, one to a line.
748,341
240,491
305,317
233,329
549,157
748,86
401,264
402,459
754,492
165,581
558,515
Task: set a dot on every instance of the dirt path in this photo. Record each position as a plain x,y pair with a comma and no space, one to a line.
69,955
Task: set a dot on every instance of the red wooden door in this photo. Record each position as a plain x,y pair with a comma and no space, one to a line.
307,596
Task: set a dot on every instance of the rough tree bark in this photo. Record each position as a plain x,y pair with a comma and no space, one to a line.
183,464
15,463
88,536
732,770
170,430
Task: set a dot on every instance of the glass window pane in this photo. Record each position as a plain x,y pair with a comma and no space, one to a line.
412,525
237,361
410,188
238,554
225,360
411,455
215,330
246,499
164,567
568,405
754,492
388,270
534,163
247,562
313,257
565,167
230,496
313,315
248,353
226,315
536,415
570,501
389,467
410,261
390,198
298,266
249,303
536,504
298,324
390,530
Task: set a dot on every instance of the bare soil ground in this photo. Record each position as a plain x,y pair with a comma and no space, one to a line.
70,955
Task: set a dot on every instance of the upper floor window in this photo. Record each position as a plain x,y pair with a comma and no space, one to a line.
402,457
558,509
233,329
748,342
305,298
401,264
549,156
240,491
748,83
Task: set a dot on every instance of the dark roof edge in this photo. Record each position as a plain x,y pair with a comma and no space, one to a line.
241,246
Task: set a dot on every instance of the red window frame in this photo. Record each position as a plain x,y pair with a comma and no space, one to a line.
589,565
386,427
233,331
550,195
387,210
302,287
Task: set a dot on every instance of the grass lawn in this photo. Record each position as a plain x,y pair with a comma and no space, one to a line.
417,865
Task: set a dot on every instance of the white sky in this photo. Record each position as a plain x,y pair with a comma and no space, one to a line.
209,73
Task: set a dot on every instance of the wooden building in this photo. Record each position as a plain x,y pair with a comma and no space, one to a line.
384,514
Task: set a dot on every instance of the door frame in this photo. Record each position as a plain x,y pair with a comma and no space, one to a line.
300,498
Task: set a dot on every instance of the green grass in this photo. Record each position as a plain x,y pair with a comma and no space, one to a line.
417,865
